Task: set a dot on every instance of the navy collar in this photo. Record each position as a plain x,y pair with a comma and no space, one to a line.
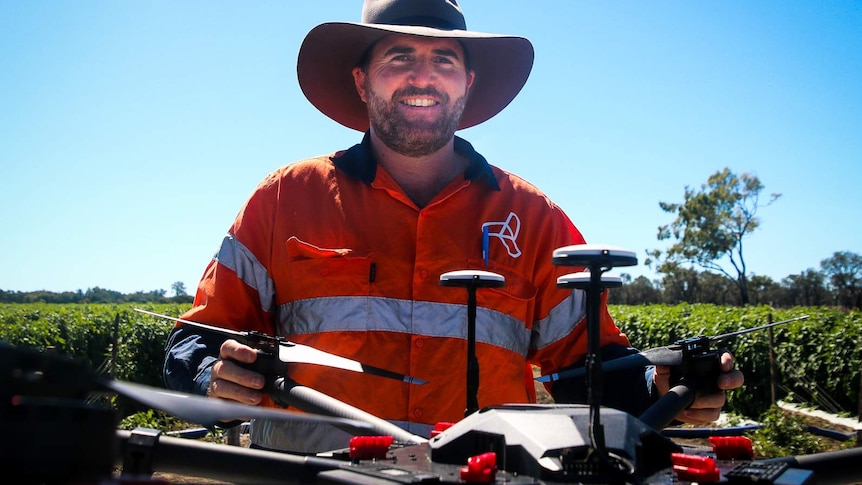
358,162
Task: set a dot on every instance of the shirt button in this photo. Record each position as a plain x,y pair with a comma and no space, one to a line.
420,343
417,413
423,274
324,271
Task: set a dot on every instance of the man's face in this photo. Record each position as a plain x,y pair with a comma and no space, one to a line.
415,89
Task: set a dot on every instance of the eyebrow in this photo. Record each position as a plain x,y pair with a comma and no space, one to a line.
409,50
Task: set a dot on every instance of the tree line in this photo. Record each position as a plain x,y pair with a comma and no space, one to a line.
837,283
97,295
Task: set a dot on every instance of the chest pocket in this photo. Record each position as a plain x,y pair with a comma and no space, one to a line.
516,299
315,272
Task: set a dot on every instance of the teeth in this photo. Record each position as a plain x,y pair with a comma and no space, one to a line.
420,102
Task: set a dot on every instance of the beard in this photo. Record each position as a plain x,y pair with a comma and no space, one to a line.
413,138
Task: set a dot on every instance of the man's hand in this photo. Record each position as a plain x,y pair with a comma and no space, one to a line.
229,380
706,407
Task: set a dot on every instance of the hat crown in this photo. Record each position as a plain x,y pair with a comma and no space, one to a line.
438,14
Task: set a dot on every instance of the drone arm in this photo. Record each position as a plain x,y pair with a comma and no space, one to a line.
233,464
631,390
288,393
841,466
663,412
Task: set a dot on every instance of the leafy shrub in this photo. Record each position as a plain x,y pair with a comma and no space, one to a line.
87,332
153,420
783,434
817,359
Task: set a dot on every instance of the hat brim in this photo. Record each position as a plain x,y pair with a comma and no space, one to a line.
331,50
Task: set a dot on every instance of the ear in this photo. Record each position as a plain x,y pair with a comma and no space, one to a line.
471,76
359,82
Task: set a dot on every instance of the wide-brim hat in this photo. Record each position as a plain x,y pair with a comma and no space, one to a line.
331,50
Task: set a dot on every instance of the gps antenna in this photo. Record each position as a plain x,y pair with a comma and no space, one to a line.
596,259
472,280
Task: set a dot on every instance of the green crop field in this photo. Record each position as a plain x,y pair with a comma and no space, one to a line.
818,359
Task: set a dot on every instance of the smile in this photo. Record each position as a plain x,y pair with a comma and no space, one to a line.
419,102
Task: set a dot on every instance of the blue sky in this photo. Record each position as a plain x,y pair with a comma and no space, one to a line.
132,132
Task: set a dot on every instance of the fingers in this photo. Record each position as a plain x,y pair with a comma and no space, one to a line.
726,361
730,378
228,380
231,349
662,379
699,416
706,407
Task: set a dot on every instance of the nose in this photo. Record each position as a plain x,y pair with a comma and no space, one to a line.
422,73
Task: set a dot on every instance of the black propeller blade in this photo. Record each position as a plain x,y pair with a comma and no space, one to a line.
658,356
671,355
290,352
209,412
33,378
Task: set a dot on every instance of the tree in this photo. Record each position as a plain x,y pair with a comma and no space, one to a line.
763,290
716,289
100,295
639,291
179,288
679,285
844,270
805,289
711,225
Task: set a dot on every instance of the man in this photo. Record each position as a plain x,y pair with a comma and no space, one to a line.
344,253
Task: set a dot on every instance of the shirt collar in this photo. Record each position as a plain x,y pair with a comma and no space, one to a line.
358,162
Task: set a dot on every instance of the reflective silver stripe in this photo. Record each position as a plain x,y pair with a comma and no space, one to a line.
560,321
307,437
234,255
297,436
339,314
419,429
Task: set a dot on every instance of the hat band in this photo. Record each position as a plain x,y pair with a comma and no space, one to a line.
425,21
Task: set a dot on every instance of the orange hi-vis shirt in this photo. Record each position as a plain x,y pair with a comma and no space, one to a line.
331,253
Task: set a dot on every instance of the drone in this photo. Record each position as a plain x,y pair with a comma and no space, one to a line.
63,437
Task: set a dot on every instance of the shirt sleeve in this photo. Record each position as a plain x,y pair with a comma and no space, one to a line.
235,292
189,358
559,336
